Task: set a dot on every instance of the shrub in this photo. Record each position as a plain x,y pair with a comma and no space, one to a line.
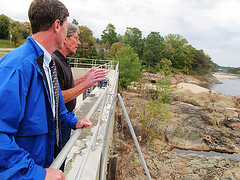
129,66
151,117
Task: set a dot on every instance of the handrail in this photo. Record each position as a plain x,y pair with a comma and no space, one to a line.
115,80
68,146
81,168
134,137
93,62
63,154
105,138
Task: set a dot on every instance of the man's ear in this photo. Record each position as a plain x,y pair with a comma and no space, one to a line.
56,26
65,41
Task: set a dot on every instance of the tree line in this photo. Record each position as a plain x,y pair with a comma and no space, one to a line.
154,53
171,53
15,30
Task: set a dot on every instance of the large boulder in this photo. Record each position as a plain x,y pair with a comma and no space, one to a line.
207,120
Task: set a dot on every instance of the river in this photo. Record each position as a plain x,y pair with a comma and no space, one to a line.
230,86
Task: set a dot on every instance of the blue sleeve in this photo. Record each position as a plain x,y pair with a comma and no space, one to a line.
68,119
15,162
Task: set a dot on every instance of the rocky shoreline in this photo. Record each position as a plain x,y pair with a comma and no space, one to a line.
202,120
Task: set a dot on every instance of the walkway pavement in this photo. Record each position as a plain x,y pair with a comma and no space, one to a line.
77,153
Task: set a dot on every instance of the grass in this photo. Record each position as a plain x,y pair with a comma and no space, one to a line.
5,43
4,51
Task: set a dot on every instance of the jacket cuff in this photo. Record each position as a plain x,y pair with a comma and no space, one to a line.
40,173
74,122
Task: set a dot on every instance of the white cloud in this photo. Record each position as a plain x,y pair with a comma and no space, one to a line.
211,25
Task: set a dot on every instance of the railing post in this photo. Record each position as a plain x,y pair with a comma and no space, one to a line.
134,137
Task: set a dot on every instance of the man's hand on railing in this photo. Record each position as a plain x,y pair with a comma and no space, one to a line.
54,174
94,75
84,123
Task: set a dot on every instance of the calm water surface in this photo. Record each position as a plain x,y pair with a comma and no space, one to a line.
209,154
228,87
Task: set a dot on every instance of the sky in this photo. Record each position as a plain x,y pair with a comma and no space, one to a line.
210,25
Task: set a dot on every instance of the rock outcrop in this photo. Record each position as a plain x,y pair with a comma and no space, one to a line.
202,120
207,120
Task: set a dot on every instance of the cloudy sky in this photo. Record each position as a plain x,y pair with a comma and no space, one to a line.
210,25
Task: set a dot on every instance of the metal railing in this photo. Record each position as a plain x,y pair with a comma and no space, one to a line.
88,63
110,93
68,146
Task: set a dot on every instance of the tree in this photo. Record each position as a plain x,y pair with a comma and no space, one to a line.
26,29
16,35
117,46
177,50
202,63
165,65
153,49
87,48
23,28
4,26
109,34
133,37
129,66
103,50
74,21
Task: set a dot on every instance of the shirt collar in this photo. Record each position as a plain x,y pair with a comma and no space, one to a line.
47,56
60,56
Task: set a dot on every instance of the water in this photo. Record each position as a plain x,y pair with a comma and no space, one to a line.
230,86
209,154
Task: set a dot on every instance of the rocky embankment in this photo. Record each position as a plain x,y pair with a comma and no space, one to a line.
201,120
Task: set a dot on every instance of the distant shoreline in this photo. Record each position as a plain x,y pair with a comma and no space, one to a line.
223,76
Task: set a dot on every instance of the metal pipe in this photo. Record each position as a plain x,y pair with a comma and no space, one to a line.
105,138
115,80
68,146
85,157
99,121
134,137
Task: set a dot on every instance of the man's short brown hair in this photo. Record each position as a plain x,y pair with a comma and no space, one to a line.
43,13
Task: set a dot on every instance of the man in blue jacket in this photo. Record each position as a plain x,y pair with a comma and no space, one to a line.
27,127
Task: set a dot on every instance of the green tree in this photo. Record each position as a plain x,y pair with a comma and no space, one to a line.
166,65
202,63
87,48
24,28
4,26
129,66
74,21
153,49
133,37
109,34
117,46
16,35
177,50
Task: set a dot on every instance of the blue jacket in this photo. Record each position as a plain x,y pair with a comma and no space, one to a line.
26,119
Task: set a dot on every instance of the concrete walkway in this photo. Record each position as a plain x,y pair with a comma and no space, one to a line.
77,153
